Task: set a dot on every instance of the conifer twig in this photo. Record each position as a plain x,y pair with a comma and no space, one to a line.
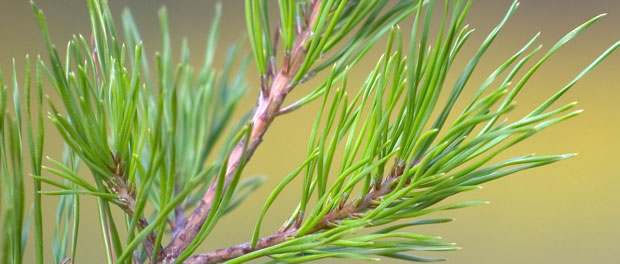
267,108
128,203
128,207
351,209
148,141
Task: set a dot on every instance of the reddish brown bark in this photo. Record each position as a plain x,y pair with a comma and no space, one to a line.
351,209
267,108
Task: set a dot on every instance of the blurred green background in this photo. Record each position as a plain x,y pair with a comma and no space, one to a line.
568,212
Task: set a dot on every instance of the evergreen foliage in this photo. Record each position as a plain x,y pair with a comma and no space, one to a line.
146,129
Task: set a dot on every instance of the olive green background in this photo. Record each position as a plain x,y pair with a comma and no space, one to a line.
568,212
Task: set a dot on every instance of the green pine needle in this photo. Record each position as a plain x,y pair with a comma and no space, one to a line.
160,146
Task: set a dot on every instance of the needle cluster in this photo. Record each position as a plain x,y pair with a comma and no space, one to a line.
147,129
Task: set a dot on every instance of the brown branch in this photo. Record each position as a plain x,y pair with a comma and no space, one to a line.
267,108
222,255
127,202
351,209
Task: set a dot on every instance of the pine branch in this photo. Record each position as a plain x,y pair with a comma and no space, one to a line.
226,254
266,110
147,141
128,204
354,209
395,194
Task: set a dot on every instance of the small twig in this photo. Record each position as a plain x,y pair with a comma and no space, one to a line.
222,255
267,108
128,202
128,206
354,209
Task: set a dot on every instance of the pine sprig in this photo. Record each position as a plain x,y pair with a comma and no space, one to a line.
422,174
148,136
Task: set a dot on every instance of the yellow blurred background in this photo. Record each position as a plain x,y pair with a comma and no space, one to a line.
568,212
